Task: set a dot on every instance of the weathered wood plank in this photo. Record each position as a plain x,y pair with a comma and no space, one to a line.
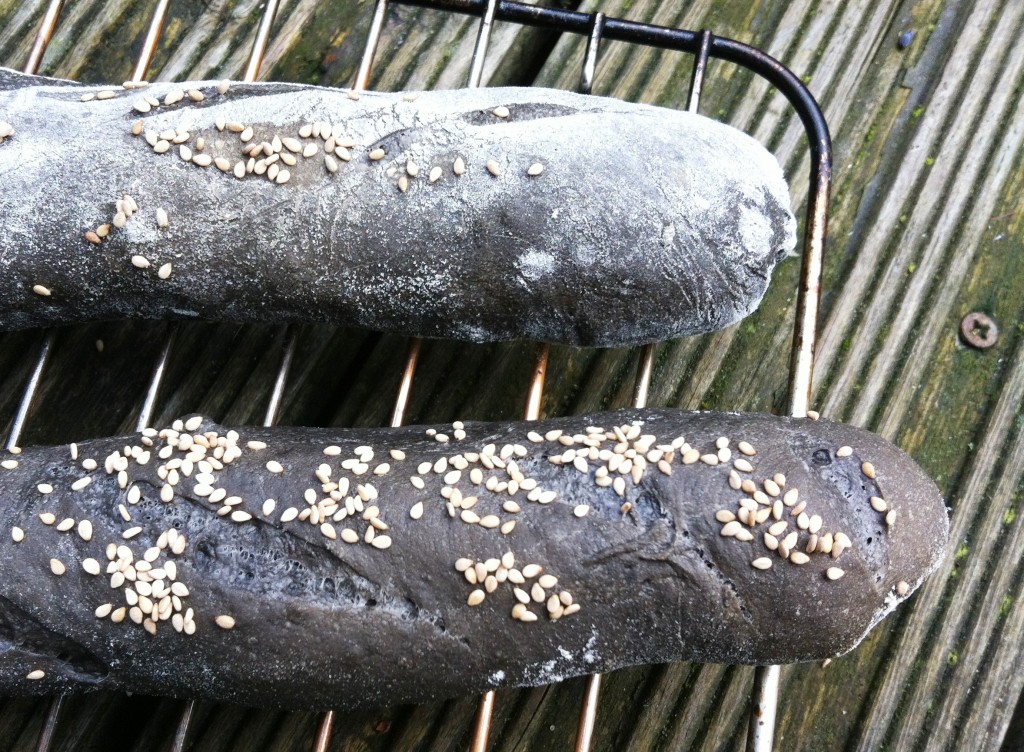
941,673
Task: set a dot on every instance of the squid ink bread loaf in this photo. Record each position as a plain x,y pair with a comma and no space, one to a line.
317,568
482,214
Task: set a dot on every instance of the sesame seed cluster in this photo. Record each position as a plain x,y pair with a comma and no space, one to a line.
768,509
544,593
149,585
125,208
263,152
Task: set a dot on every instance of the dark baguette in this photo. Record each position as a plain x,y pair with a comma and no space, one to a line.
317,622
645,223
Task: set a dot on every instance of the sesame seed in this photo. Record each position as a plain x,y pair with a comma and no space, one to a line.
17,534
791,496
476,598
85,530
746,448
493,167
844,451
834,573
202,160
47,518
532,570
799,557
868,469
581,510
35,675
330,163
376,154
141,105
731,528
825,543
762,562
691,456
42,290
459,166
224,621
878,504
165,271
535,169
131,532
92,237
91,566
57,567
902,587
381,541
501,111
771,487
275,467
140,262
9,464
508,527
332,451
283,177
81,483
709,459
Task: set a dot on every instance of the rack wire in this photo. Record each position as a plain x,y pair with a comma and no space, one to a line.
597,28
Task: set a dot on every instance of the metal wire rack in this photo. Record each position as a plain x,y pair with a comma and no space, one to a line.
596,28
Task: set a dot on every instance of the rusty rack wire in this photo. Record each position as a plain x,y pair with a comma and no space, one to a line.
596,27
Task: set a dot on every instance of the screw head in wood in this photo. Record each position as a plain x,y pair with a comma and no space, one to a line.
978,330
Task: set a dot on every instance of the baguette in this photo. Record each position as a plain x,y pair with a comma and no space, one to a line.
316,568
483,214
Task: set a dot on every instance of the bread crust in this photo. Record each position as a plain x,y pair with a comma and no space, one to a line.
576,219
652,567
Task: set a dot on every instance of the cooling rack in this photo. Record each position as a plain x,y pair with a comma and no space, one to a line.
596,28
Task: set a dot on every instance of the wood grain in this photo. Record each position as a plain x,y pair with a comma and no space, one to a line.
925,227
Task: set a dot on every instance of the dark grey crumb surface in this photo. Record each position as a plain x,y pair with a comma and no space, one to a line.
644,224
319,622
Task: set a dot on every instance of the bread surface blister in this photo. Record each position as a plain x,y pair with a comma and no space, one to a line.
485,214
316,568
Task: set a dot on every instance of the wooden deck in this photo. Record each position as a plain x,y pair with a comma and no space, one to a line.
925,227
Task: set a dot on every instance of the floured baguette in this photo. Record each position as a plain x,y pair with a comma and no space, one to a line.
313,568
481,214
